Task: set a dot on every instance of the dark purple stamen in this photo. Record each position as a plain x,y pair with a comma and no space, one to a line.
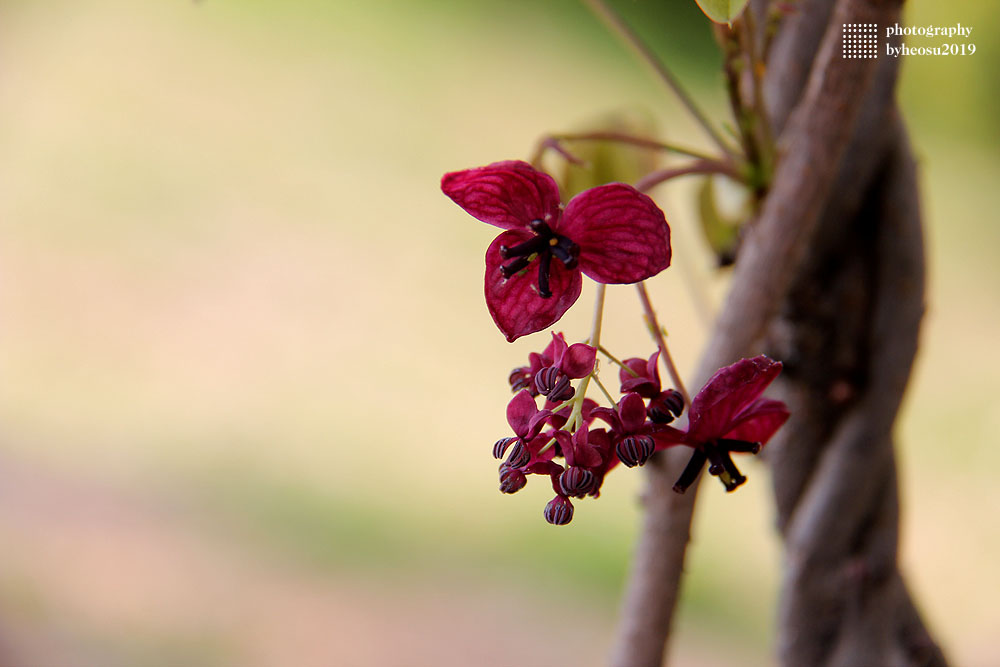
723,466
501,445
694,466
544,246
666,407
576,481
554,384
559,511
519,455
741,446
635,450
566,252
529,247
521,378
544,261
507,270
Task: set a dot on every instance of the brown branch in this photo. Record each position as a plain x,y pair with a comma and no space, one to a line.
810,148
844,602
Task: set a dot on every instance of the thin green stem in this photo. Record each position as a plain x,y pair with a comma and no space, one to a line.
576,415
614,360
562,405
661,343
614,21
604,390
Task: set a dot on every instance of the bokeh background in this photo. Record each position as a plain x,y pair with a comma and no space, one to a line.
248,386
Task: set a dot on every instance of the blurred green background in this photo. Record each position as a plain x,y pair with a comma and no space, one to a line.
249,386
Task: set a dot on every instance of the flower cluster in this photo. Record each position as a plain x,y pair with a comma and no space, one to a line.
613,234
727,416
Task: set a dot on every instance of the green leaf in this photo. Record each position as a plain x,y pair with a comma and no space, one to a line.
722,11
721,229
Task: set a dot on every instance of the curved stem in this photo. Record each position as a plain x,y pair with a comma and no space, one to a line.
614,21
701,167
604,390
552,142
621,137
657,333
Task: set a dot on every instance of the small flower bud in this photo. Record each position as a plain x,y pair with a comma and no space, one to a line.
501,445
665,407
520,378
559,511
519,455
511,480
576,481
635,450
553,384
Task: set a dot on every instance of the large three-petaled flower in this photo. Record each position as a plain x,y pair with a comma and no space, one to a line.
613,233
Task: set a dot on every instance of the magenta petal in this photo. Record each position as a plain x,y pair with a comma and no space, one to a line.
506,194
537,421
668,436
609,417
588,456
633,412
557,348
537,362
584,453
544,467
759,421
622,234
647,383
520,410
549,353
578,360
652,368
727,394
565,440
514,302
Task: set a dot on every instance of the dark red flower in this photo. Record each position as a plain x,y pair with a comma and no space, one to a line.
569,362
613,233
632,434
526,420
642,377
549,373
728,415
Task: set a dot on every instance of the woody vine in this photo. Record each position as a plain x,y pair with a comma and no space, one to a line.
797,106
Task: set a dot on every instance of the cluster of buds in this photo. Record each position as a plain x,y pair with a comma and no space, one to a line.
576,442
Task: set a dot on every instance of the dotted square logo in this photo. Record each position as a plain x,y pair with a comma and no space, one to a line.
860,40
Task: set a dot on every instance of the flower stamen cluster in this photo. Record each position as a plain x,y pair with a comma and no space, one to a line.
727,416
